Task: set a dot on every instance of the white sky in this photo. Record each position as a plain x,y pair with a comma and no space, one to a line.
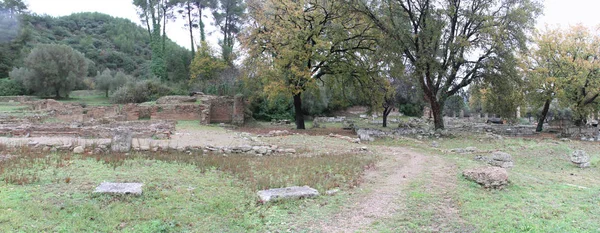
556,13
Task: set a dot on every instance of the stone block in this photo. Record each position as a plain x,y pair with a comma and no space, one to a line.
294,192
120,188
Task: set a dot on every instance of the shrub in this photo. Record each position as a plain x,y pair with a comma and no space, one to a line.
9,87
140,91
413,110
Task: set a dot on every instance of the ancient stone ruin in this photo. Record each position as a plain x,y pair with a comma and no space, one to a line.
119,188
205,108
294,192
121,140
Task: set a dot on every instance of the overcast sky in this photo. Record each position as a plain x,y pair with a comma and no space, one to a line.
556,13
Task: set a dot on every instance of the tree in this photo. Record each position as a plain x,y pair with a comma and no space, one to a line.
154,13
579,57
451,43
200,6
52,69
108,82
542,74
13,7
206,66
501,90
229,18
293,43
103,81
564,65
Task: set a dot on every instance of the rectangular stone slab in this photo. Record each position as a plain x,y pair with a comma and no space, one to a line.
120,188
287,193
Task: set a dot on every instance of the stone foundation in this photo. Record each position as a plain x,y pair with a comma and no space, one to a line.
206,109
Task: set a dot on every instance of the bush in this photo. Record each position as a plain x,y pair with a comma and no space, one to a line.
413,110
9,87
140,91
278,108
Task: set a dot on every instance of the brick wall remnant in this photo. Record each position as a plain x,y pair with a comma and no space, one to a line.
204,108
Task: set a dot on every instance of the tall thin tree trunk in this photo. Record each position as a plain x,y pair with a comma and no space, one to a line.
190,22
298,109
540,125
201,23
164,29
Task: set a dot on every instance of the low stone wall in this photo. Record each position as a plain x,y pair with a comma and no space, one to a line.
367,134
177,112
207,109
140,129
20,99
505,130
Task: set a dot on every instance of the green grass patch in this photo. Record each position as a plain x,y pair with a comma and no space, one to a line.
11,107
198,193
88,98
547,193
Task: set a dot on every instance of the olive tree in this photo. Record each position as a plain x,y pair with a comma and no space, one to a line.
52,69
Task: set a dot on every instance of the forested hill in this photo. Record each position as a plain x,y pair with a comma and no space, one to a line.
109,42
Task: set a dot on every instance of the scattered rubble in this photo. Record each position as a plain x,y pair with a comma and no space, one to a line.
78,150
501,159
349,139
464,150
332,192
276,133
488,177
580,159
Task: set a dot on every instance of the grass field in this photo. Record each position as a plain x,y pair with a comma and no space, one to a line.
88,97
214,193
546,192
199,193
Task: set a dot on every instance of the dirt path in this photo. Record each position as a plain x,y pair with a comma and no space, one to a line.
387,182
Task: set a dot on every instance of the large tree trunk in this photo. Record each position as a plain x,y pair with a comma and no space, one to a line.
298,109
437,109
386,113
540,125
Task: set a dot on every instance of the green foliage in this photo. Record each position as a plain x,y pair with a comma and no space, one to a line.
141,91
52,69
9,87
205,66
453,105
292,44
445,53
410,109
229,17
108,42
267,109
107,82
